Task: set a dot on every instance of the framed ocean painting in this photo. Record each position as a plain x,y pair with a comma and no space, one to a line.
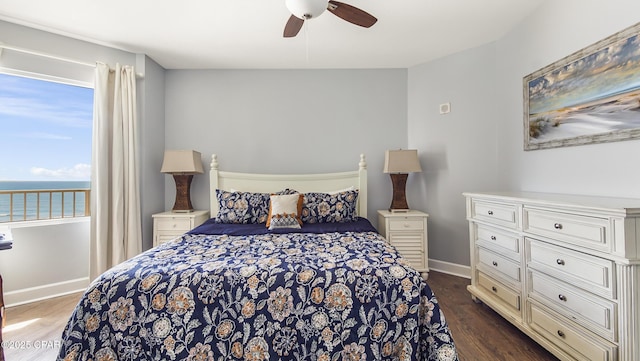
591,96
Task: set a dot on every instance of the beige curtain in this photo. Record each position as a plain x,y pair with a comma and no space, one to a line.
115,201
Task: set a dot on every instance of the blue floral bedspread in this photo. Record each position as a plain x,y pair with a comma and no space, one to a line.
297,296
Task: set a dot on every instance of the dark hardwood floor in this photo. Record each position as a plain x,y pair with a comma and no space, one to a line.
480,333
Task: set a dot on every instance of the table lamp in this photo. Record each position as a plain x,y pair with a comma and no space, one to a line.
182,164
399,163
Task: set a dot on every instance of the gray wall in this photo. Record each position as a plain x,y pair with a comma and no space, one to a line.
287,121
556,30
458,150
479,145
152,124
45,42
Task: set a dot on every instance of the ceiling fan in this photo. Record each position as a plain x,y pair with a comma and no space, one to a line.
302,10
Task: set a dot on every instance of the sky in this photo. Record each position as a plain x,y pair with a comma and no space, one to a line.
45,130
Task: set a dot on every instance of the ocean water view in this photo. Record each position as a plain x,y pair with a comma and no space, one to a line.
33,200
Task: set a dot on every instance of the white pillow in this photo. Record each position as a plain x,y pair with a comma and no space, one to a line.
285,210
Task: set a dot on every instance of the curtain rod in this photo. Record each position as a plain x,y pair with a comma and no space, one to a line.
51,56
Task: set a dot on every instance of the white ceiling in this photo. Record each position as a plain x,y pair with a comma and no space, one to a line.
247,34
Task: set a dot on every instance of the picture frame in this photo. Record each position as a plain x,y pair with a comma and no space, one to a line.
590,96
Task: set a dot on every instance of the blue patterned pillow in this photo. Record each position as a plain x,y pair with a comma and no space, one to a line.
242,207
330,208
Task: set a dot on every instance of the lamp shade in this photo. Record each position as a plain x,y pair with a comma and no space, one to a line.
182,162
401,161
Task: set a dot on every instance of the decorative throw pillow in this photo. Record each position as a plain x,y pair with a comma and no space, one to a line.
330,208
242,207
284,211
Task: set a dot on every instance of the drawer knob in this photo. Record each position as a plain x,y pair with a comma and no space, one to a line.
562,297
495,263
494,289
406,225
560,333
560,262
490,213
493,238
557,225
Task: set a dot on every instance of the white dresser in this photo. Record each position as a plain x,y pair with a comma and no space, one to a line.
407,232
564,269
169,225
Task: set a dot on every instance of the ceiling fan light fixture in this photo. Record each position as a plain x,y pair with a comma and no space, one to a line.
307,9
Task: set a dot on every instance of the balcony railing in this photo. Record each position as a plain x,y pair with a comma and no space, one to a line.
43,204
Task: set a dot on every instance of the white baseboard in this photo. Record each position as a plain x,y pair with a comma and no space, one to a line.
450,268
39,293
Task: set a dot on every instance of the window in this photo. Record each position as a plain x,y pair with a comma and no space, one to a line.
45,154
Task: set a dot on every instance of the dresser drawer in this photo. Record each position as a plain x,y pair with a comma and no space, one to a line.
592,273
561,332
577,259
591,311
495,238
505,294
585,231
169,224
504,214
406,224
494,263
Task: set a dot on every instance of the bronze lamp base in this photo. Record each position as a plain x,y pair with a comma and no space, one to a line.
399,201
183,193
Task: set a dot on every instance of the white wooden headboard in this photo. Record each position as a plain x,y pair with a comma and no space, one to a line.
271,183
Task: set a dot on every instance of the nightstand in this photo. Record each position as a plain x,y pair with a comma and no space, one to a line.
407,232
169,225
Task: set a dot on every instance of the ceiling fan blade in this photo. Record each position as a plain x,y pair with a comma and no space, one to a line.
351,14
293,26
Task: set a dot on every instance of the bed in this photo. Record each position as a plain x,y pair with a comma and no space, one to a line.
328,289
